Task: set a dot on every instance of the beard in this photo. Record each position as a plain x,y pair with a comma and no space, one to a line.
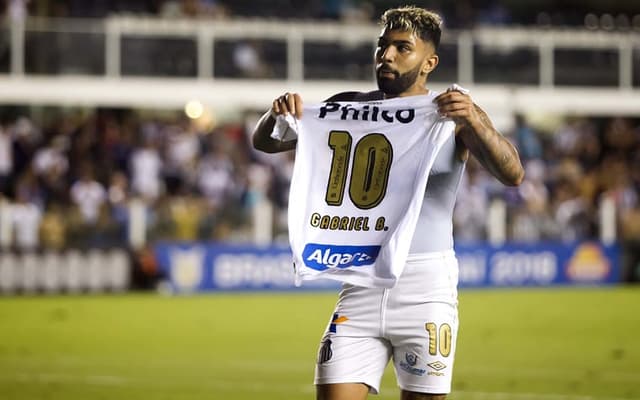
400,83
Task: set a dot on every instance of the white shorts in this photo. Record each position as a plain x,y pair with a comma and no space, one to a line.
415,324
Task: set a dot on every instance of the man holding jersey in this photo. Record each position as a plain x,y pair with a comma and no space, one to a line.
415,322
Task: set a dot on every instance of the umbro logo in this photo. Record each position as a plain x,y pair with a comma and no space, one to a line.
437,365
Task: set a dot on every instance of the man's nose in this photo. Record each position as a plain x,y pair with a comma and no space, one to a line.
389,54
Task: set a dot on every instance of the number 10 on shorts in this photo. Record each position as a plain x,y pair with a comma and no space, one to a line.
439,339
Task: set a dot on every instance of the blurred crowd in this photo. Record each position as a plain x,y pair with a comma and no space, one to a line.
593,14
69,178
575,171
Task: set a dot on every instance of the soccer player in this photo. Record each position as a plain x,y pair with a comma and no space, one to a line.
415,323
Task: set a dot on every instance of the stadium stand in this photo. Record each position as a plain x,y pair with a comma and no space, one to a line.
93,122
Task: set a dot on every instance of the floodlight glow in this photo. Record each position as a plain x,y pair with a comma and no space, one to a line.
193,109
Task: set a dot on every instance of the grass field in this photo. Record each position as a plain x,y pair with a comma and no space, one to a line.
552,344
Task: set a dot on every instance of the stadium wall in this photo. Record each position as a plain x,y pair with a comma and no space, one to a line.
186,268
70,271
206,267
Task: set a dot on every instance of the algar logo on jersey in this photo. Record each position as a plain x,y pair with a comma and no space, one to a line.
325,256
366,112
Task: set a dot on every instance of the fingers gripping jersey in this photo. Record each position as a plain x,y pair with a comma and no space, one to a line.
359,178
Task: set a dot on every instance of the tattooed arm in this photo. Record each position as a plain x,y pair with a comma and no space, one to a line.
476,131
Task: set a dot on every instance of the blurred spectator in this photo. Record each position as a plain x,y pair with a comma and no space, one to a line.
27,187
146,165
89,196
53,228
527,140
618,186
193,9
567,138
282,175
494,14
571,212
186,214
118,200
26,141
117,193
470,218
533,222
117,144
619,137
589,151
17,10
181,153
83,145
51,165
26,216
216,176
630,225
360,12
248,61
6,160
260,206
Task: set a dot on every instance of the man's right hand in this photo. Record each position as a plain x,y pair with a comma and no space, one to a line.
288,103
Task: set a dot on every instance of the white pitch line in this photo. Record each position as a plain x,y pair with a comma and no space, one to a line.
262,387
283,365
549,373
297,365
99,380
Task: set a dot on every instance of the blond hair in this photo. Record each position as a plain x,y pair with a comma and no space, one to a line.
424,23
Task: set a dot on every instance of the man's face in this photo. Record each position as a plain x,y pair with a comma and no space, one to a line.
402,62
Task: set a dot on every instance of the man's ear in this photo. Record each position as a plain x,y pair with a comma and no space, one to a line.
430,63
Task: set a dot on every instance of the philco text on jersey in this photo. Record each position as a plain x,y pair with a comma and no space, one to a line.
365,112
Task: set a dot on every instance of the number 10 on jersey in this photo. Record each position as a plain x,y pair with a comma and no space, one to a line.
372,158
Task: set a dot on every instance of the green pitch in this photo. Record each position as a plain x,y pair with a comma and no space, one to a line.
557,344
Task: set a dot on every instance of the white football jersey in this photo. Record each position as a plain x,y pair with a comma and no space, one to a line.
358,182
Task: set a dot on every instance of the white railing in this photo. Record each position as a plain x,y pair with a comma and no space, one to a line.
468,57
294,35
262,224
